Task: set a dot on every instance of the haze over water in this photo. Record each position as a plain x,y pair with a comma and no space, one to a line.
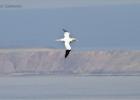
70,88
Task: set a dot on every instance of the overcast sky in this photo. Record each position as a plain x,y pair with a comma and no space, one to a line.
96,24
65,3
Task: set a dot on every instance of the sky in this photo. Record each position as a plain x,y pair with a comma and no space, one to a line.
96,24
64,3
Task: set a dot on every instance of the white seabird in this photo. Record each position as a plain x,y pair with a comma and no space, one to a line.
67,40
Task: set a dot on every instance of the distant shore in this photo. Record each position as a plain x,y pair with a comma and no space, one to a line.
47,61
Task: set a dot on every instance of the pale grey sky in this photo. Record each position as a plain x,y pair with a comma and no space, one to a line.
95,25
64,3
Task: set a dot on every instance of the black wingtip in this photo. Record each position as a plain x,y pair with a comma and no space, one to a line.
67,53
64,30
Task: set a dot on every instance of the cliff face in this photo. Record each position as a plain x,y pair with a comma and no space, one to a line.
49,61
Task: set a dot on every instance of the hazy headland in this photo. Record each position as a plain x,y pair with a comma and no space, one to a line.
45,61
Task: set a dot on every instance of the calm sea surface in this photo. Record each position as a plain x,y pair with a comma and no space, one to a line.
70,88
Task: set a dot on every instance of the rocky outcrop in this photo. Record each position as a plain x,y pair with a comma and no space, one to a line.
52,61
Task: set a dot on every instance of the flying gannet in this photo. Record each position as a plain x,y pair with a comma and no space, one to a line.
67,40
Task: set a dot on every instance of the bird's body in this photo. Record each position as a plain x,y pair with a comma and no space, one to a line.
67,40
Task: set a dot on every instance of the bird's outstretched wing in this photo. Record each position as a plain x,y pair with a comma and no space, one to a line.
67,53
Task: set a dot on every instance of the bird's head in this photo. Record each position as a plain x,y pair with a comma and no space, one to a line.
64,30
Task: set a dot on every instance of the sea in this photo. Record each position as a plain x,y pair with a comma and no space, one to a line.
68,87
